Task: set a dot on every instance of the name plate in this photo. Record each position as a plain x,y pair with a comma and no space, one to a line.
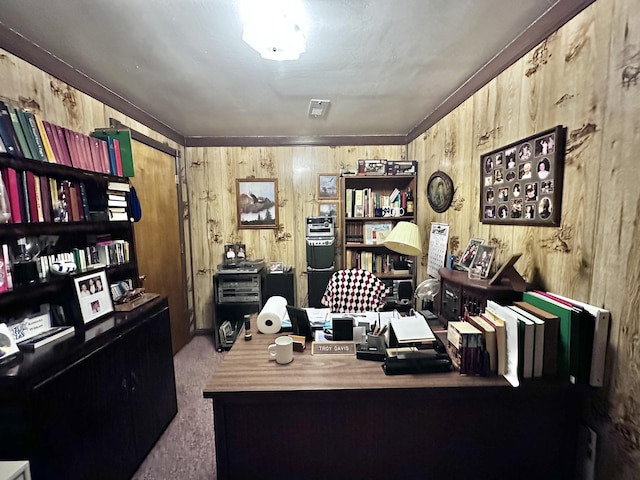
333,348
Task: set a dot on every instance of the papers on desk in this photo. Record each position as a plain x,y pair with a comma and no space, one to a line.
412,329
318,317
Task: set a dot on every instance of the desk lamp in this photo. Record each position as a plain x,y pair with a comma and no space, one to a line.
405,239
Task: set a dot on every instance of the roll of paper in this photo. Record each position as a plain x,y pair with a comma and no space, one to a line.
271,316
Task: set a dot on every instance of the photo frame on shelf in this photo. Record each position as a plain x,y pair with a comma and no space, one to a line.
257,203
327,186
481,264
521,183
469,253
276,267
92,295
440,191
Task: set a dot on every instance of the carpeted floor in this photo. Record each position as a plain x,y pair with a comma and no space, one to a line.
185,450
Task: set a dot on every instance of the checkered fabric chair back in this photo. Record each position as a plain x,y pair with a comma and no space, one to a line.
354,291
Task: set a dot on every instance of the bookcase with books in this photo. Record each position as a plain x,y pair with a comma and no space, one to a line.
65,202
374,204
65,209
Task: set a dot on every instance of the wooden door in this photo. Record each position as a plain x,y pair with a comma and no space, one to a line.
157,235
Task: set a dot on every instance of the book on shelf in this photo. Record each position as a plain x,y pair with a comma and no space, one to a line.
501,341
17,128
490,341
7,132
465,346
45,138
526,344
118,186
122,148
551,336
54,334
28,134
499,312
376,232
34,133
601,320
539,339
576,335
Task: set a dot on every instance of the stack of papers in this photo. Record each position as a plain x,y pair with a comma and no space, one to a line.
413,329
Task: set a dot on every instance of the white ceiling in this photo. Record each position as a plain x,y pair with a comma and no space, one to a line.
386,65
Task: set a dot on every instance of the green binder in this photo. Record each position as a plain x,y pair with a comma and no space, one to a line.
124,138
22,140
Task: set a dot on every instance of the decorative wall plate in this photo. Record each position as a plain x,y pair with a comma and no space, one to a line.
440,191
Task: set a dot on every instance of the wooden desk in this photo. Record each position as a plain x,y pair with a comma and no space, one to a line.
338,417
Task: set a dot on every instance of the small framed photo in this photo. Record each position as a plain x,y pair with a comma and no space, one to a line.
327,186
276,267
328,210
481,263
469,253
93,295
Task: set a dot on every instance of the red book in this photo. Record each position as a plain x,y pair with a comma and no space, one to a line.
89,160
62,145
96,154
45,198
104,156
13,191
31,195
73,147
116,148
84,150
53,141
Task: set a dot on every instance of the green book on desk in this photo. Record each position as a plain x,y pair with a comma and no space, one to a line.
576,336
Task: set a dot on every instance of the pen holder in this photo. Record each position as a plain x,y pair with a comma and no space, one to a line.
377,342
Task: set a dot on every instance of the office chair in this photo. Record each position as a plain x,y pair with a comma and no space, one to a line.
354,290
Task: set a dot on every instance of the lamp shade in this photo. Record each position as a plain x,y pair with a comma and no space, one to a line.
405,239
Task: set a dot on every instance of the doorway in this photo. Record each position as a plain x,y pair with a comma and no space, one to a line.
157,234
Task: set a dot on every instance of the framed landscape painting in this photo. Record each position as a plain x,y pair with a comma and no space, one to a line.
257,202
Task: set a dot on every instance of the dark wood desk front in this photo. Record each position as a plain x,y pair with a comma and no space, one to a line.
339,417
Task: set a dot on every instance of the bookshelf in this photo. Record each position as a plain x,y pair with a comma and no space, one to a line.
367,219
72,236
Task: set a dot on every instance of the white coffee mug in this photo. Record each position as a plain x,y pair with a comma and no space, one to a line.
282,350
386,211
398,211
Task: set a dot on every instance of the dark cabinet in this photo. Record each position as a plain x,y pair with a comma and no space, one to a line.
280,285
236,294
97,410
457,291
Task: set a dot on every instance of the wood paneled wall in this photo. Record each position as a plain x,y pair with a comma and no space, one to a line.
584,77
212,174
57,102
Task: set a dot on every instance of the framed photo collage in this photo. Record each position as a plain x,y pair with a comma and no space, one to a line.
521,183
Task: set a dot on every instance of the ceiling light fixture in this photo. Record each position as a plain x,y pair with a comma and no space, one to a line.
274,28
319,108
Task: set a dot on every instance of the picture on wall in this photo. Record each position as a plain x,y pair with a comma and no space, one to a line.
521,183
328,210
327,186
257,202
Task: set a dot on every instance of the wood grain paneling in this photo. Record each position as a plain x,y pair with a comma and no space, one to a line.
574,78
212,198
